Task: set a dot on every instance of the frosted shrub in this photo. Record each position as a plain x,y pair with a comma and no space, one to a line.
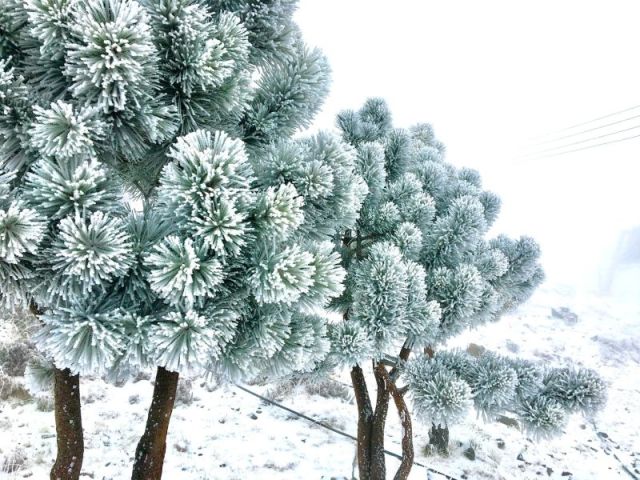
420,270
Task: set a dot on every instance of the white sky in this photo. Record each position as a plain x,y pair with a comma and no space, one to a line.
490,76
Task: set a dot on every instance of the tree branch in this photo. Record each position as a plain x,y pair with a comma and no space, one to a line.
405,351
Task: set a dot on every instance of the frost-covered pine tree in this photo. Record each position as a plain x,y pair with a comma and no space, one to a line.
419,271
155,211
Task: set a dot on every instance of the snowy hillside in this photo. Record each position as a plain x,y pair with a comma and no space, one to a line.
225,433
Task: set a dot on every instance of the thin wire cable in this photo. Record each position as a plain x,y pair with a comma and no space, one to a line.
588,147
578,142
334,430
587,122
593,129
604,442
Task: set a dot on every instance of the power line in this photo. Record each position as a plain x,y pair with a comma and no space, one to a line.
334,430
585,140
604,441
593,129
587,122
579,149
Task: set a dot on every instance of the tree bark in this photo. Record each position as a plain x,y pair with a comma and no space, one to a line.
405,422
378,466
407,435
68,426
152,446
365,420
405,351
439,438
438,435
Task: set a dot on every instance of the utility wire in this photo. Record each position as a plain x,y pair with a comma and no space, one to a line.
604,441
570,127
334,430
558,150
588,147
578,142
593,129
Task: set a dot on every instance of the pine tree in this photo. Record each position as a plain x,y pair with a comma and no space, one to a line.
156,210
420,271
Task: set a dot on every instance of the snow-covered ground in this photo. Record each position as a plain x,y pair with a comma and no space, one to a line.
226,433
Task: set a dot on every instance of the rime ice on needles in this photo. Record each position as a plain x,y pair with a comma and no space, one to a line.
207,166
182,272
62,133
111,57
20,232
88,336
95,249
279,212
281,275
439,395
541,397
75,185
420,270
178,102
184,342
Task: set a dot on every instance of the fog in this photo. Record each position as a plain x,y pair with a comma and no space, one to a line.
496,79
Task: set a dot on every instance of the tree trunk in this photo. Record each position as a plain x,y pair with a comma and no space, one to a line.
439,438
151,448
365,420
68,426
378,466
405,422
407,435
438,435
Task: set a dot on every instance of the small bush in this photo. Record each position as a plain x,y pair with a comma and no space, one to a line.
44,403
23,322
328,388
280,468
258,381
182,445
14,358
14,462
184,393
141,375
281,390
94,394
213,381
12,388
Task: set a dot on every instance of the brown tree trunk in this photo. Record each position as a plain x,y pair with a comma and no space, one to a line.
439,438
438,435
405,422
365,420
407,435
68,426
378,466
151,448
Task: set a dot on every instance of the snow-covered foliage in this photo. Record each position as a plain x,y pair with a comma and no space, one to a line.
446,386
226,257
419,267
421,270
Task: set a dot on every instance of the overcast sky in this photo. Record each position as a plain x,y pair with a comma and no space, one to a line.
492,77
